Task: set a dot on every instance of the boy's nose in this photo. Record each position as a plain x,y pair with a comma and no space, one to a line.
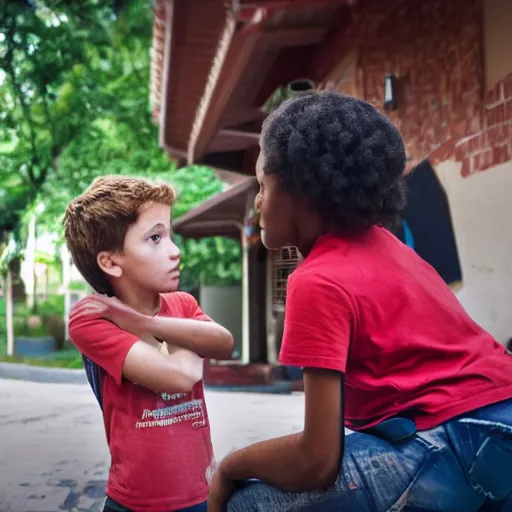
174,252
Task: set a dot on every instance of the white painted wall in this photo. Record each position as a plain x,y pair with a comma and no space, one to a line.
481,207
224,305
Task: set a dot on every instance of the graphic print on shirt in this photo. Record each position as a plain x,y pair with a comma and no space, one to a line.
175,408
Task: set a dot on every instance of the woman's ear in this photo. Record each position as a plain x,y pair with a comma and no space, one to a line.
108,262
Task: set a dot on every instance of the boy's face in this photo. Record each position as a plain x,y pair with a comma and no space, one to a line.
150,259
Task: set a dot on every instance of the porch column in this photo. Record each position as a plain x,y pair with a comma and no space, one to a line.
245,301
272,354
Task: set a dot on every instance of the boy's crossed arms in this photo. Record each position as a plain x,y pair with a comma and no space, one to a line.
164,354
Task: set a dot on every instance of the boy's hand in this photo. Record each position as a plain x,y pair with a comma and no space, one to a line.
115,311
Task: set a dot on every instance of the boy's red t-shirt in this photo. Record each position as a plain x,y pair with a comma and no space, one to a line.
162,456
371,308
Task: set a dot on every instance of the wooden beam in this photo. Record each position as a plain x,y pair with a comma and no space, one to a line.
242,116
178,156
247,7
238,58
233,140
171,37
288,37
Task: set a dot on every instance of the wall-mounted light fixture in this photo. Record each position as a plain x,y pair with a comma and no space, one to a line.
390,92
300,87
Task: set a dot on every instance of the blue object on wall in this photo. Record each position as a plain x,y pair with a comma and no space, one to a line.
409,239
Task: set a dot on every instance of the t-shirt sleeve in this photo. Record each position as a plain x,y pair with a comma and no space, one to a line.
318,324
191,308
102,342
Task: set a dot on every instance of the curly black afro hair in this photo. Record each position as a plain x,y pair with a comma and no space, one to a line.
341,154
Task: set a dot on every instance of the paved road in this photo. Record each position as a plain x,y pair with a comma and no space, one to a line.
53,453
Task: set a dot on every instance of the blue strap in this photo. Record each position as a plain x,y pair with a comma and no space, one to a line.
409,239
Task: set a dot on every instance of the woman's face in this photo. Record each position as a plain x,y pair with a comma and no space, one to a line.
276,209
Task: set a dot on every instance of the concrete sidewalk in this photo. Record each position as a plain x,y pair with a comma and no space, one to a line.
54,454
29,373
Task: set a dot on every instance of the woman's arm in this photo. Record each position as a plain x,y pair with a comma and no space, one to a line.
307,460
318,328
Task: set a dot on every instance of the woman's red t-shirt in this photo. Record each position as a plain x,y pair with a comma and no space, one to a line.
371,308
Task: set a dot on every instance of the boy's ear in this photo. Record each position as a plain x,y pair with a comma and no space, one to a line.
107,261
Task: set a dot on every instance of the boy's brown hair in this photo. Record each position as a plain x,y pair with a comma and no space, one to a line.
98,221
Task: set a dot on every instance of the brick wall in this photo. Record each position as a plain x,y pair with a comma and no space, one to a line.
435,49
493,144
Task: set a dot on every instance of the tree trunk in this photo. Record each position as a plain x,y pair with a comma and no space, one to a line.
46,285
66,280
28,265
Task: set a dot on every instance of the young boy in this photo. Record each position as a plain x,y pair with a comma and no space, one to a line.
146,342
386,347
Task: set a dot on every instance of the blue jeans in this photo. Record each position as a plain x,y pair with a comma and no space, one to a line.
464,465
113,506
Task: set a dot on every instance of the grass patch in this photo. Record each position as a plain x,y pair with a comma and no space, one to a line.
68,357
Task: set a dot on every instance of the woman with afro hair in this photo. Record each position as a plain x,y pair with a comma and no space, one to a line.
387,350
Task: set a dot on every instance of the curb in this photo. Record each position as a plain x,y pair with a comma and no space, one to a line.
29,373
25,372
274,389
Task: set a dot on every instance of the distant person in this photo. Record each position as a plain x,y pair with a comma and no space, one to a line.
387,349
146,342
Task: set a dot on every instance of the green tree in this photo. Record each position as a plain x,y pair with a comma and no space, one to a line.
101,151
74,88
47,95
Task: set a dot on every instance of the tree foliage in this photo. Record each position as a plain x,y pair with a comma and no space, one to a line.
74,89
45,91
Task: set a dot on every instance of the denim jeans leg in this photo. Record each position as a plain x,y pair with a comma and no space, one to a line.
438,470
483,442
374,476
